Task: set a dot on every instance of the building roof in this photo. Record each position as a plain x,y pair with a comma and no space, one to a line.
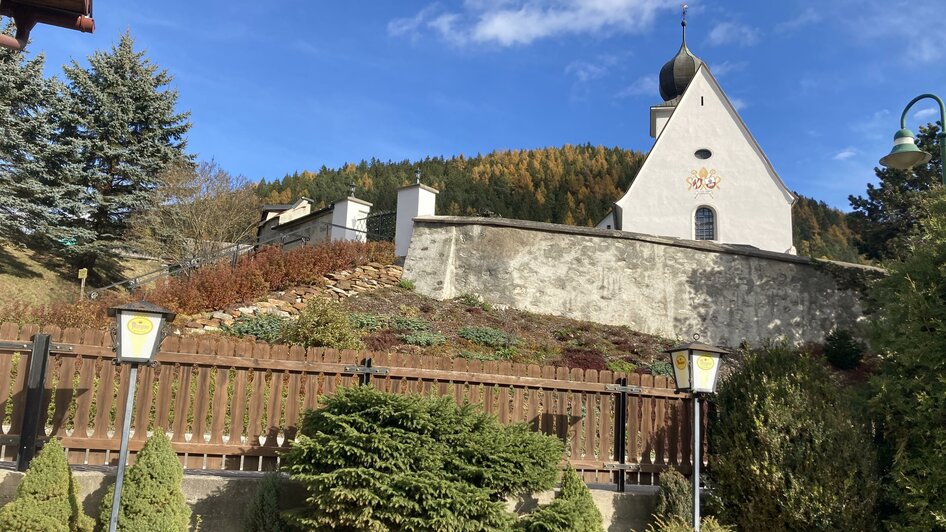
71,14
677,73
276,207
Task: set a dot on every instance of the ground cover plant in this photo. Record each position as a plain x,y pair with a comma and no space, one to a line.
376,461
46,499
791,448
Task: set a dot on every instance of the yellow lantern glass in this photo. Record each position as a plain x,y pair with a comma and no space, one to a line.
696,366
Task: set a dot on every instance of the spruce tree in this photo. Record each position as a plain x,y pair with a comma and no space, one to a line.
29,190
151,499
121,130
46,500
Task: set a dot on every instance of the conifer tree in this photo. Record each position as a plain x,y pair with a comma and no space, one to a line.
121,130
46,500
29,190
151,499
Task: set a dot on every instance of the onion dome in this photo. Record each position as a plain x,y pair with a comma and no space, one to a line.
677,73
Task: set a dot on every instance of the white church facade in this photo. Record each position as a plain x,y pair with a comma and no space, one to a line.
706,177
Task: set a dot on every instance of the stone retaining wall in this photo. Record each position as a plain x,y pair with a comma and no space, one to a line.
222,500
656,285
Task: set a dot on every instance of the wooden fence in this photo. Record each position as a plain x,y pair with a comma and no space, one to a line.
235,405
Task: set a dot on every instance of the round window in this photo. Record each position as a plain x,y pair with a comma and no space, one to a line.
703,154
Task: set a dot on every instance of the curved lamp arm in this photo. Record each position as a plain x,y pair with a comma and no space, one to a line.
941,136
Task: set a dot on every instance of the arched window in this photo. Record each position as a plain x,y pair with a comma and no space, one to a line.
705,224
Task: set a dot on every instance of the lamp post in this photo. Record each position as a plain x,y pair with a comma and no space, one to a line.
905,154
696,369
139,331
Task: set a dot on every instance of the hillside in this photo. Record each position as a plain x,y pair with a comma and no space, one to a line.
573,185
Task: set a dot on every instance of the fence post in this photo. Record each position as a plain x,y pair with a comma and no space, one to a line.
365,378
32,411
620,432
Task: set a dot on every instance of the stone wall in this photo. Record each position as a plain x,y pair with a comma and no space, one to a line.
656,285
221,500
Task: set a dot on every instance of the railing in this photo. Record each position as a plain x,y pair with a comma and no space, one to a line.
236,405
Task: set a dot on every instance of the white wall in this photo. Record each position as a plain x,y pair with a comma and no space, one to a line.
412,201
346,214
752,207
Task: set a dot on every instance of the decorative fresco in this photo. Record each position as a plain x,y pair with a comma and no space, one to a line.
703,181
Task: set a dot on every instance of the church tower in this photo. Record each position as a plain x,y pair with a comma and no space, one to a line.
706,177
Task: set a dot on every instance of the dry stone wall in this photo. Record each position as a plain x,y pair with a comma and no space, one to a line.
338,285
656,285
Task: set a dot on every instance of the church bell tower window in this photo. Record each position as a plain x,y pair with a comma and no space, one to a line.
705,224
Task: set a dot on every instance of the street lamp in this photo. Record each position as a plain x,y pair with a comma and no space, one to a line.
905,154
696,370
138,334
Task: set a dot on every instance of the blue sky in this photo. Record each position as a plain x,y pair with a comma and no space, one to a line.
277,87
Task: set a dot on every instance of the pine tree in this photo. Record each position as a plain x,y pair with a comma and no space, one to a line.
29,192
888,217
121,129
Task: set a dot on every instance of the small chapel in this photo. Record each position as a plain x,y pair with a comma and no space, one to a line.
706,177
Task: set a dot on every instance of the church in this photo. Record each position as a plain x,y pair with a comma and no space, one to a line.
706,177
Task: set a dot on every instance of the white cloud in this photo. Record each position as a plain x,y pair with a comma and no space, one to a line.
804,19
520,22
896,21
733,32
727,67
923,114
738,103
585,71
845,154
646,85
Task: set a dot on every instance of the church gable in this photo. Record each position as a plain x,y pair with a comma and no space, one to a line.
705,165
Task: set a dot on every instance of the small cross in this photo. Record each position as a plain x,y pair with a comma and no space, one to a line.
685,7
417,176
351,189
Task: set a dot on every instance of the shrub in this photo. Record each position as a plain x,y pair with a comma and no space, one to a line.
423,338
621,366
910,390
46,499
572,510
675,498
263,515
406,284
265,327
377,461
485,357
367,322
577,357
680,524
661,368
475,301
488,336
151,496
790,452
322,323
407,323
842,350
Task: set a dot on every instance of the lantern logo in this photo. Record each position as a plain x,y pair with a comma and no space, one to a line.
139,326
705,363
681,361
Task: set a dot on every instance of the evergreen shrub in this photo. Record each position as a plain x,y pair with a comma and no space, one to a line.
264,515
322,323
46,499
680,524
423,338
377,461
842,349
151,498
910,389
407,323
367,322
572,510
790,451
675,498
